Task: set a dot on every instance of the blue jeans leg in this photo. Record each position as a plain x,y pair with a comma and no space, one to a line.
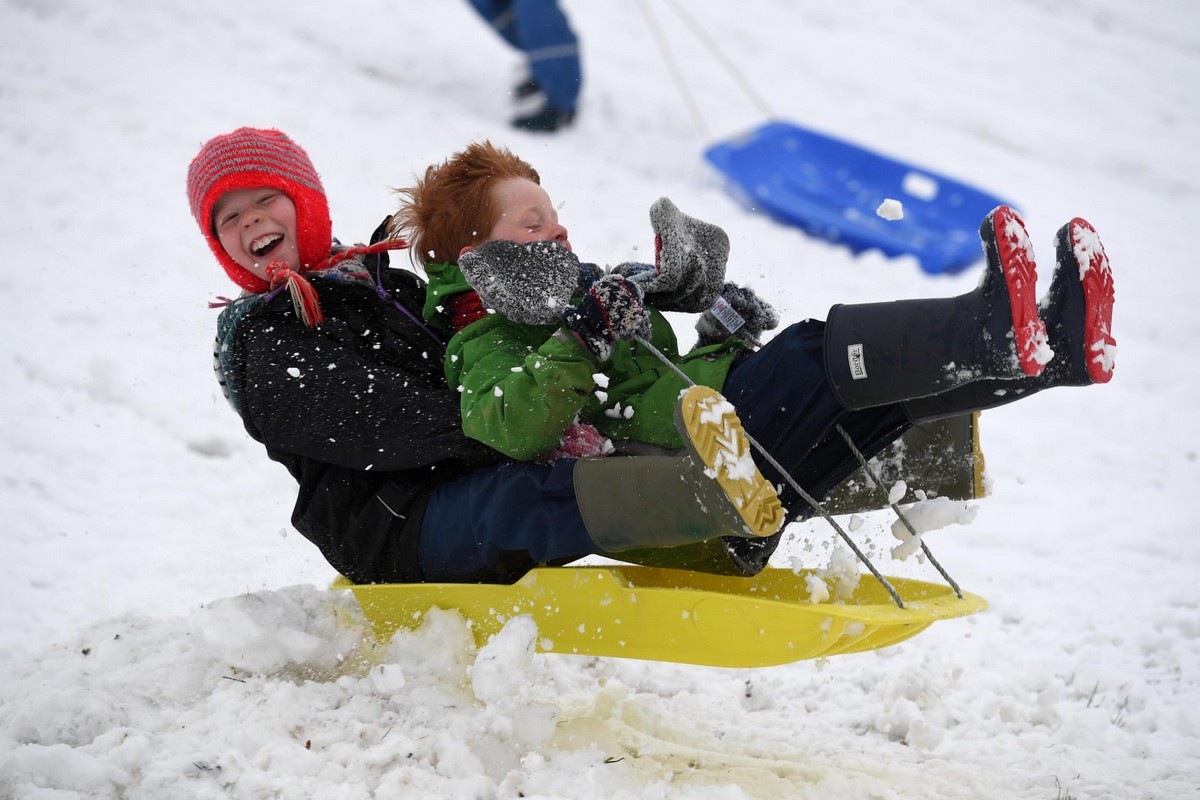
498,522
784,401
500,15
540,30
552,48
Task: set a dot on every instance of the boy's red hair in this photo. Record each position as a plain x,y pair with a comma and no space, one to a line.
452,207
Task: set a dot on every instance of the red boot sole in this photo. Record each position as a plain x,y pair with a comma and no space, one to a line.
1099,293
1020,272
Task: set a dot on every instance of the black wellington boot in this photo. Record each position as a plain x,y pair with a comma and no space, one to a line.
880,353
1077,310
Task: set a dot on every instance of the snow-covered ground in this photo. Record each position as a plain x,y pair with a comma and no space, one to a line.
165,634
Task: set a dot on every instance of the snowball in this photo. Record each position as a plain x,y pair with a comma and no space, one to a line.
890,210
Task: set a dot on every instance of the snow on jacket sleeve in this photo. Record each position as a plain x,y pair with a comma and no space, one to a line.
520,385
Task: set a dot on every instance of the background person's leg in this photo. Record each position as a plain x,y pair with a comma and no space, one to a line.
552,48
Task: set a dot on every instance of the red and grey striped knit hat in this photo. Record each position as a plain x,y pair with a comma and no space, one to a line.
250,158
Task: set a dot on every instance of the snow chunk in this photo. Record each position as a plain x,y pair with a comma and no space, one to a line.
387,678
929,515
502,666
266,632
818,590
890,209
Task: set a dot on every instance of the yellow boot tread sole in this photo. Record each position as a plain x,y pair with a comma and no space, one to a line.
719,440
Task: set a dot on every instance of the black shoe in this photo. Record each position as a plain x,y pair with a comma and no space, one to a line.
526,89
548,120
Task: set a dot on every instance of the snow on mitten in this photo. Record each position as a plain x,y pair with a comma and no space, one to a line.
737,311
610,311
528,282
689,257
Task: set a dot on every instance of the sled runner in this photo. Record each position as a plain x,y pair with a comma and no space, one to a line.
832,189
675,615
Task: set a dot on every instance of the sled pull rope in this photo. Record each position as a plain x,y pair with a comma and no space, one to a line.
862,462
718,55
808,498
673,68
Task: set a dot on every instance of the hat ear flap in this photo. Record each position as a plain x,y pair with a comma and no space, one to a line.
314,229
250,158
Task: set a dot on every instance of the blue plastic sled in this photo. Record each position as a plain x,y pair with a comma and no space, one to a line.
831,189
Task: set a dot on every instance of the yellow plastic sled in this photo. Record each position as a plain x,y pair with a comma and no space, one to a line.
675,615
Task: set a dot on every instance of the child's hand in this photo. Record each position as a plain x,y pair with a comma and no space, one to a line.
531,283
610,311
689,258
588,274
644,275
739,312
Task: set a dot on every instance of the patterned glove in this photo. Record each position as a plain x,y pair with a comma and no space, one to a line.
588,274
689,261
737,312
530,282
611,310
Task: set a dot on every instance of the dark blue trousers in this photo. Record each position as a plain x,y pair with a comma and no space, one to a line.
539,29
510,517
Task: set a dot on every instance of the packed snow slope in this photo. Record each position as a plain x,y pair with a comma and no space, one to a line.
164,633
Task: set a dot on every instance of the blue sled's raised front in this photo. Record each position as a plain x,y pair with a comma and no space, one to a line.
832,189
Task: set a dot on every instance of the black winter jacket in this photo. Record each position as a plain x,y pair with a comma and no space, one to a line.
357,409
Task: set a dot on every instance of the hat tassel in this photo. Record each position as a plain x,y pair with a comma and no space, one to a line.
304,296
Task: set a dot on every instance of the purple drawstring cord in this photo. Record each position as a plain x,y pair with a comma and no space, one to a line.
383,294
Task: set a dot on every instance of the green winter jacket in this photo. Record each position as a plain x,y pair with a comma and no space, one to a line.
522,385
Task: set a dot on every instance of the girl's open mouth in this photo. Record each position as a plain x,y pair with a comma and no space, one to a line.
265,244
